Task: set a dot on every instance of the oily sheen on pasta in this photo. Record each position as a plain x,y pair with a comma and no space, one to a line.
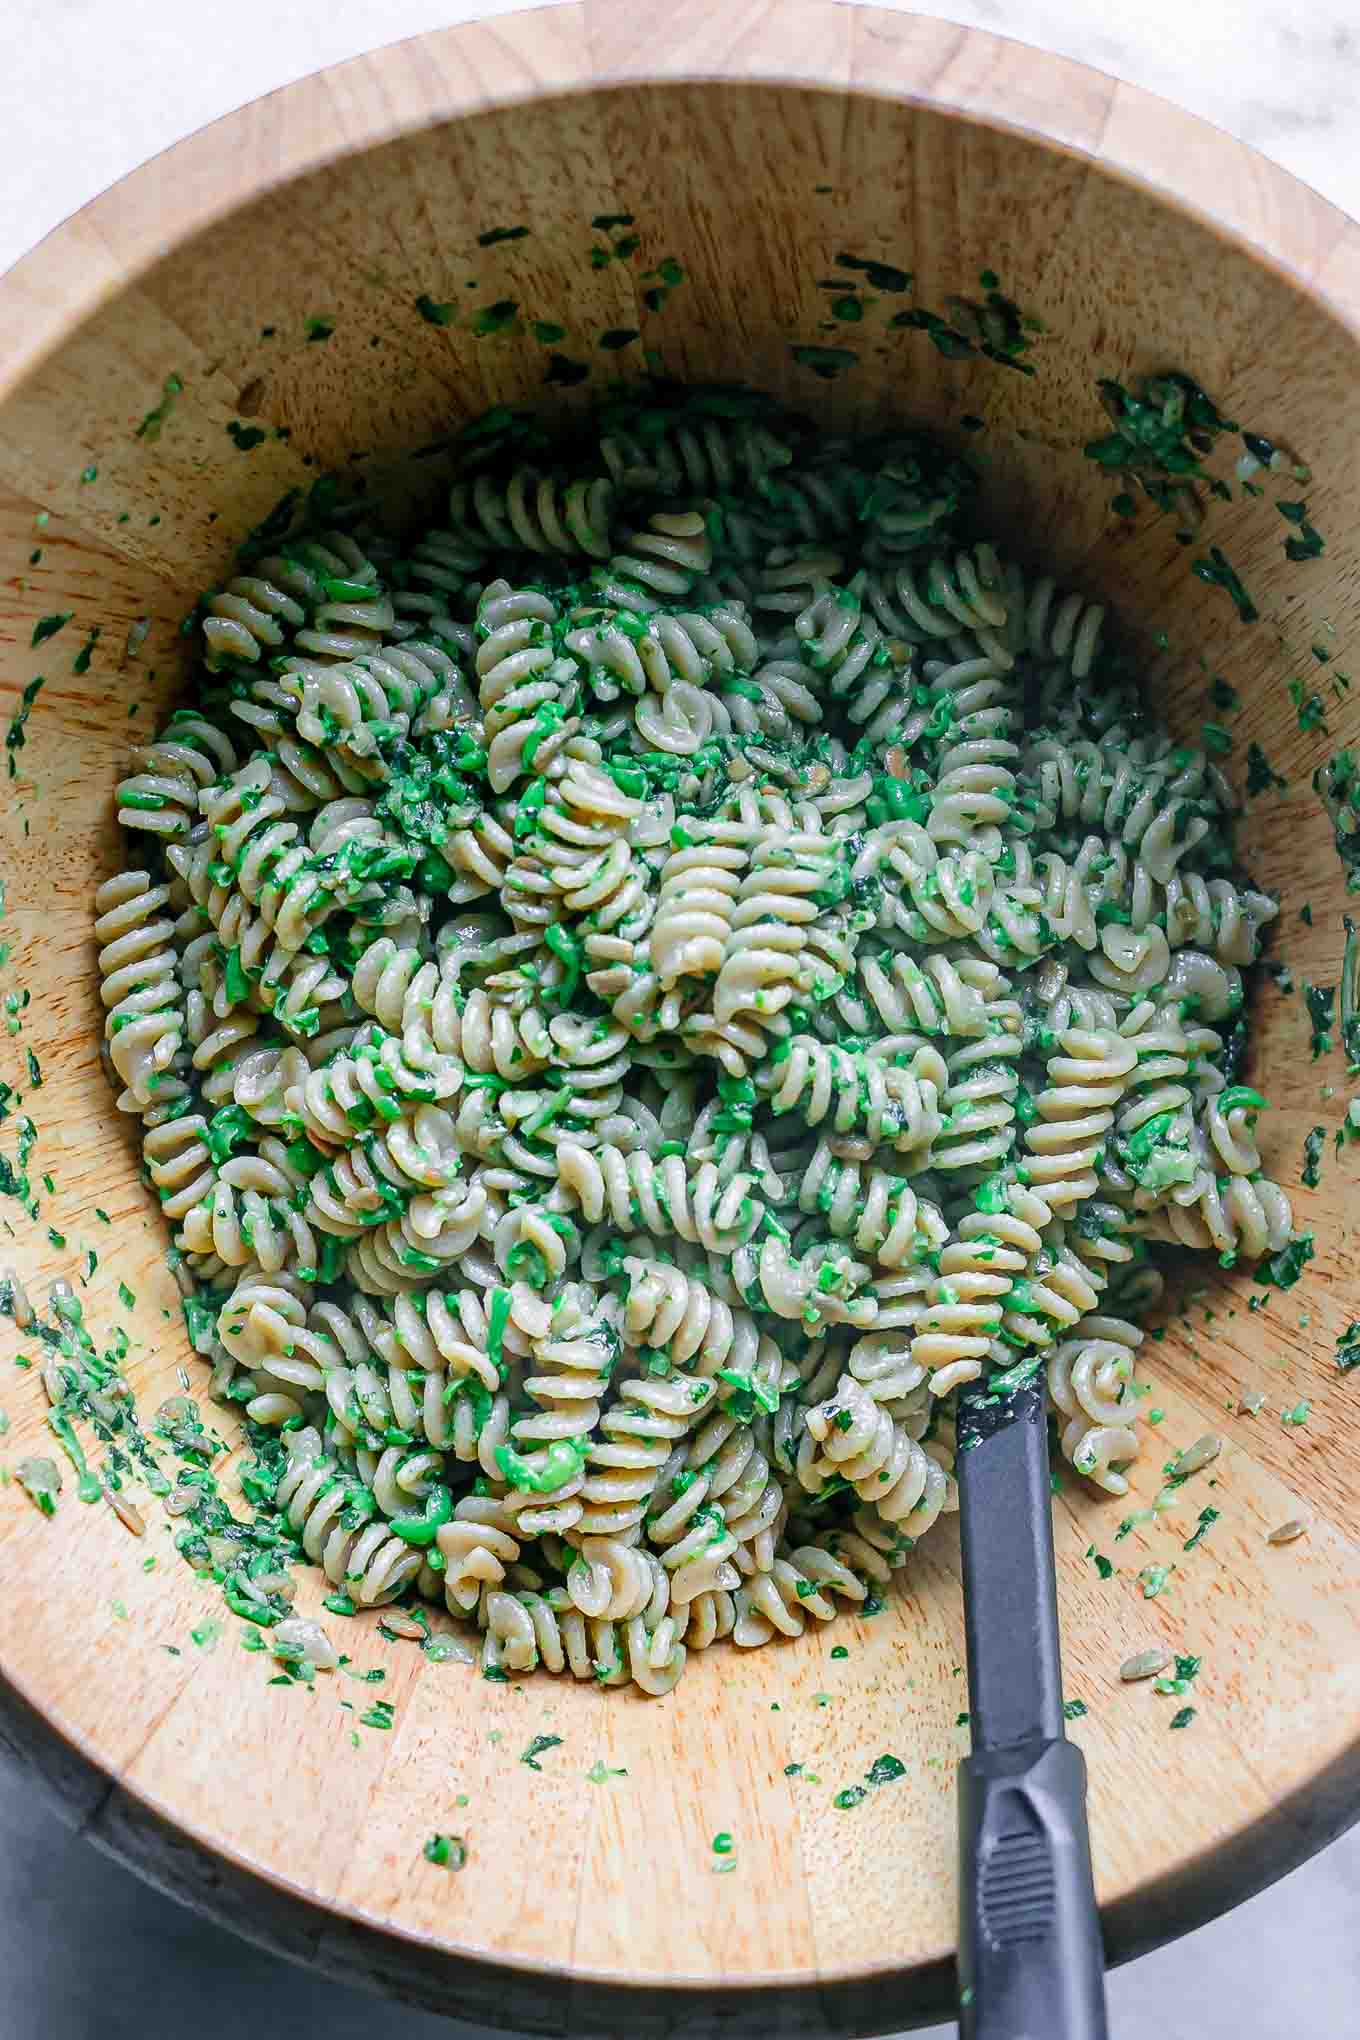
638,994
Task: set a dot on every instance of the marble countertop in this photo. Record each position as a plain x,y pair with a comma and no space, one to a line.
89,89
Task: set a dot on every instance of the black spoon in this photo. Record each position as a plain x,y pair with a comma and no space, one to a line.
1031,1965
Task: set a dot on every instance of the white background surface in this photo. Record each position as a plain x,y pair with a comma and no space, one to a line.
89,89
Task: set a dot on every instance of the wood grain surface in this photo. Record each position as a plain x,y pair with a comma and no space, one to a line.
1143,239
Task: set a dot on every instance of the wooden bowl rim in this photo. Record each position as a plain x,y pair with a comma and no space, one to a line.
50,315
48,294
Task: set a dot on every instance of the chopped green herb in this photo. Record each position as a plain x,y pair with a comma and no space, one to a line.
826,362
1261,774
1310,544
1283,1269
565,372
1186,1672
1338,783
878,275
15,737
153,423
1219,572
1207,1517
488,320
40,1480
449,1852
1311,713
885,1770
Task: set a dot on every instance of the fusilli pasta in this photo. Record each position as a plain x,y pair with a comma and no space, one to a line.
641,993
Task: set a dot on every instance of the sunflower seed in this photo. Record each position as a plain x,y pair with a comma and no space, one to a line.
1198,1455
125,1512
397,1624
1145,1664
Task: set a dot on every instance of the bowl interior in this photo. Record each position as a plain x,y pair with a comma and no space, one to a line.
356,317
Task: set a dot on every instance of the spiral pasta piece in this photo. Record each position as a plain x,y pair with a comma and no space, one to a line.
180,1163
370,1563
881,1214
1234,1216
376,698
1088,1076
663,1197
532,512
765,956
780,1601
251,614
1052,626
527,1630
694,454
658,563
978,1102
1090,1378
570,1369
250,1215
139,987
856,1092
638,1434
527,688
161,795
696,901
877,1457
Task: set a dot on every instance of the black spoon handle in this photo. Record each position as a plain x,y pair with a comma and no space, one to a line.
1030,1962
1030,1959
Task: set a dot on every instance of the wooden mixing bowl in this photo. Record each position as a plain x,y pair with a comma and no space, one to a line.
756,144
